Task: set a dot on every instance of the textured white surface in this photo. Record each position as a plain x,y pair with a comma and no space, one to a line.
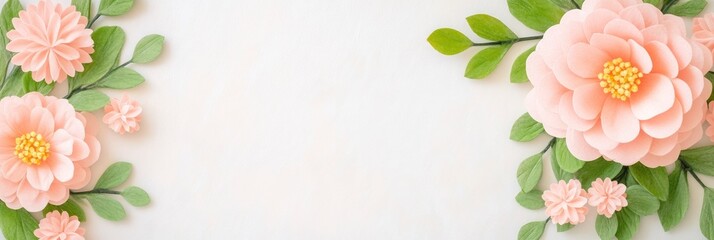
318,119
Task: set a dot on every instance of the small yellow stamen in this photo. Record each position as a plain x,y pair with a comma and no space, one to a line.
620,79
31,148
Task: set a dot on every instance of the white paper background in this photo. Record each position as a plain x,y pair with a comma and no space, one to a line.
319,119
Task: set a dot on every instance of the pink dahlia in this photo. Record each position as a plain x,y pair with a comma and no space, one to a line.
50,41
703,31
59,226
123,115
608,196
621,80
46,149
566,203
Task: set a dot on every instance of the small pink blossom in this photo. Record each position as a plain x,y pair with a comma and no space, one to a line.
608,196
703,31
566,203
59,226
123,115
51,41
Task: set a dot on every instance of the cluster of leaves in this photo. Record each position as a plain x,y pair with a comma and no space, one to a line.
649,190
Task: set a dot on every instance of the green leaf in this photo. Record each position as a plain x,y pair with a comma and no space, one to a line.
538,15
83,6
640,201
599,168
89,100
689,8
518,70
148,49
564,227
114,176
532,200
559,173
29,85
17,224
122,78
14,85
10,10
448,41
564,4
70,206
136,196
490,28
526,129
564,158
656,3
531,231
484,62
700,159
530,171
106,207
672,211
605,227
655,180
706,219
115,7
627,223
108,42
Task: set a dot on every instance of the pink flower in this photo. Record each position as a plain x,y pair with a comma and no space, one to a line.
619,79
703,31
46,149
123,115
58,226
566,203
50,41
710,120
608,196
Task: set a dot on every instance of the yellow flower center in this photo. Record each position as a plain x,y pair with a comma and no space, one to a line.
31,148
620,79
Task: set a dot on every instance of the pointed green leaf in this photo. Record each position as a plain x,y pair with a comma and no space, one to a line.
17,224
564,158
10,10
672,211
108,42
526,129
484,62
531,231
115,7
706,219
29,85
656,3
530,171
106,207
700,159
564,227
114,176
83,6
70,206
122,78
690,8
15,84
490,28
564,4
148,49
532,200
448,41
136,196
518,70
641,201
655,180
600,168
559,173
627,223
606,227
538,15
89,100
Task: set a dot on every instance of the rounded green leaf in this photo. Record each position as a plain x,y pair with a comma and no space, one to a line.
641,201
538,15
83,6
490,28
559,173
70,206
700,159
656,3
115,7
564,4
486,61
599,168
706,218
518,70
108,43
136,196
690,8
526,128
114,176
564,227
106,207
449,41
531,200
655,180
564,158
627,223
672,211
606,227
30,85
89,100
148,49
17,224
122,78
530,171
531,231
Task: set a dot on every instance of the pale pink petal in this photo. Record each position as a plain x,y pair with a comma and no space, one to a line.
655,96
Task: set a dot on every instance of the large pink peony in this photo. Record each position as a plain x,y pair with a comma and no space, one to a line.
621,80
46,149
50,41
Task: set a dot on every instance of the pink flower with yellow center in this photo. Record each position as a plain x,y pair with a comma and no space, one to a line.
51,41
59,226
608,196
566,203
46,149
620,79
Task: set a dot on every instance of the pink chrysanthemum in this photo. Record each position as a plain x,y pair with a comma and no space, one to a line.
59,226
50,41
620,79
566,203
123,115
46,149
608,196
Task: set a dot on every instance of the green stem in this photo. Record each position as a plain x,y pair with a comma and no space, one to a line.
622,175
669,4
575,3
97,191
96,17
95,84
508,41
550,145
688,168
